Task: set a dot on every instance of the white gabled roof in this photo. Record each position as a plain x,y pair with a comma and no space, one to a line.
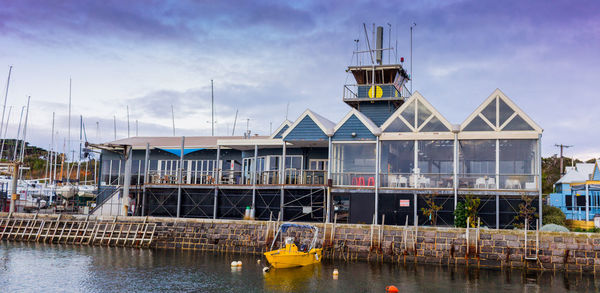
580,173
414,98
286,122
323,123
517,111
375,130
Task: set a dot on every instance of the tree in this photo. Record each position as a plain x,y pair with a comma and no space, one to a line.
432,209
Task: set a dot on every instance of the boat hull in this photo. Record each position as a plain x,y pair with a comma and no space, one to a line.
283,258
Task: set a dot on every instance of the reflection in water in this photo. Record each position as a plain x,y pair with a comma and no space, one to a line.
34,267
294,279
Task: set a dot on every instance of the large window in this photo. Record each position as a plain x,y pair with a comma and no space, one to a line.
517,163
354,164
397,156
436,156
478,156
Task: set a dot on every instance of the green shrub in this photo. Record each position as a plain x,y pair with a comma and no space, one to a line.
553,215
460,215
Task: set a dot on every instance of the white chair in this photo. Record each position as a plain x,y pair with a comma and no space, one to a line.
402,181
414,180
491,183
480,183
393,181
424,182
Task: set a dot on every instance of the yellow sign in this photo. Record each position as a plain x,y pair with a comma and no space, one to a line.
378,92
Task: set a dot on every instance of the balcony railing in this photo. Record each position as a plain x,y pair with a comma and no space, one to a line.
505,181
365,91
412,180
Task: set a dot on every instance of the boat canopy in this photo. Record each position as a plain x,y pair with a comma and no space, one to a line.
285,226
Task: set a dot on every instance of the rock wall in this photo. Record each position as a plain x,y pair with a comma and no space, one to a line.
447,246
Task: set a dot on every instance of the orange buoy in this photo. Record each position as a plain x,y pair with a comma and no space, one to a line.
391,289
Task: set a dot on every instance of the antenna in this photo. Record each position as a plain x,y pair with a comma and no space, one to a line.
287,110
270,127
247,125
411,56
136,127
234,121
356,52
98,131
389,43
562,146
173,117
212,107
368,43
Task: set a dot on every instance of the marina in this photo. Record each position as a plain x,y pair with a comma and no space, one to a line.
110,269
312,146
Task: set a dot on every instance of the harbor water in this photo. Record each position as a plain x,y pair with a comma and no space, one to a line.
35,267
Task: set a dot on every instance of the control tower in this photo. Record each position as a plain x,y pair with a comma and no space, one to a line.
379,89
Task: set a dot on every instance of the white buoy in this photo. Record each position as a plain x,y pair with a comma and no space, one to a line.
234,263
335,273
266,269
258,261
239,263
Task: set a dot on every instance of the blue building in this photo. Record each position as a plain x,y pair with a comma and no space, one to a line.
391,152
577,193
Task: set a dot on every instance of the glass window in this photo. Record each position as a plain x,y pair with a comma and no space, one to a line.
397,156
436,156
423,113
489,112
434,125
505,111
409,113
478,124
398,126
517,156
355,157
517,123
477,156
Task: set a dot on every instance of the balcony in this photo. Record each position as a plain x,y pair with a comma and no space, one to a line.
374,92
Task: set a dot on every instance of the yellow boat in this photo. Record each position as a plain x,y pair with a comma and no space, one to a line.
290,256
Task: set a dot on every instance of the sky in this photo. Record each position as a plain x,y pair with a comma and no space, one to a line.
266,55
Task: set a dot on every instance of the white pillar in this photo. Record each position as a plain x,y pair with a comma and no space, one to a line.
146,168
254,177
127,179
217,183
179,177
377,181
282,180
587,202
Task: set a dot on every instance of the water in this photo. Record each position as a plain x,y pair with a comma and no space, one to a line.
31,267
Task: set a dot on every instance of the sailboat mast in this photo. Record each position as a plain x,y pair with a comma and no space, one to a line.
212,107
69,131
52,150
3,134
24,143
80,138
5,131
18,135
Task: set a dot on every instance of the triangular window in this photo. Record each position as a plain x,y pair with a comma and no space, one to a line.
398,126
409,113
489,112
517,123
434,125
422,114
478,124
505,111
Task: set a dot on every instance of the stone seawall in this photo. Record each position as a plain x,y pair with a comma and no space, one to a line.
485,248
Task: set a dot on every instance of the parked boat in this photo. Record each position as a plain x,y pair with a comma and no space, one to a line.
291,256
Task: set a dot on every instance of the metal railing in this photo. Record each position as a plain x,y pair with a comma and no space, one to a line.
414,180
502,181
353,179
386,90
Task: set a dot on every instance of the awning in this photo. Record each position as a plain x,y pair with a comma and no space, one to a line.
177,152
591,187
